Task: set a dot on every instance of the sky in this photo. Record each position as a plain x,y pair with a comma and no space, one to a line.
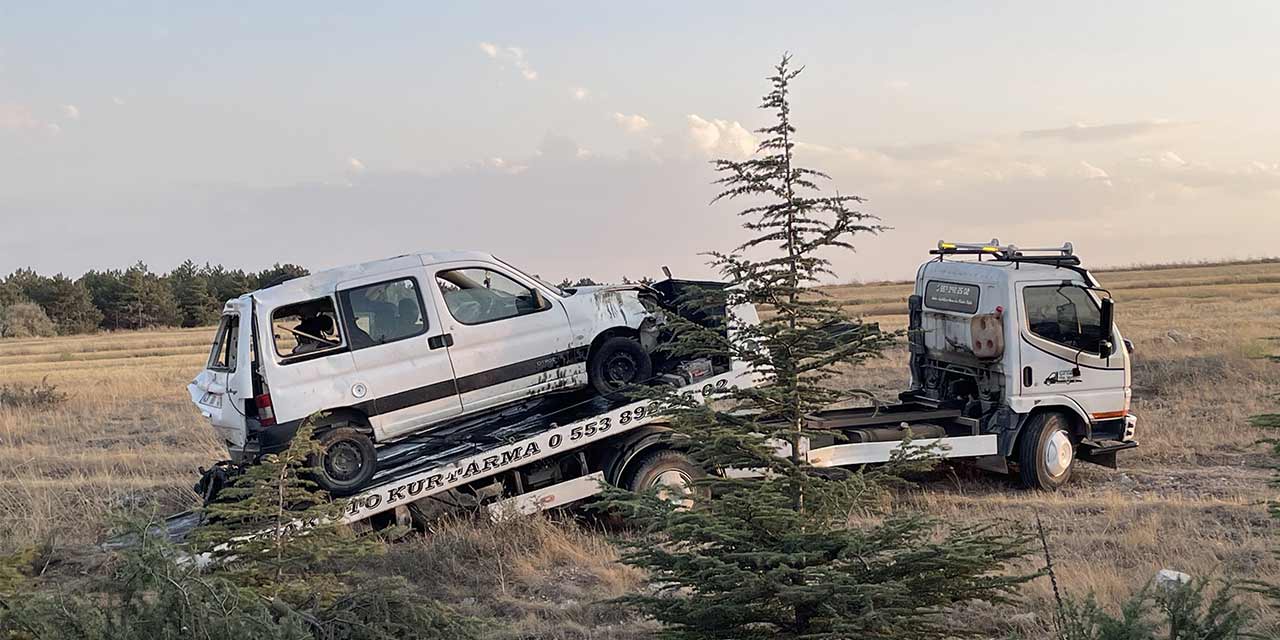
574,138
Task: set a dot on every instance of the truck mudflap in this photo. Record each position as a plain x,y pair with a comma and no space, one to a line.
1103,453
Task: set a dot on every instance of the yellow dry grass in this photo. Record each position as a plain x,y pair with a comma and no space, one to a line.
1191,498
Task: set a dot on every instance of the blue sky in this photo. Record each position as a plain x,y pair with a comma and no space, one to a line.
573,137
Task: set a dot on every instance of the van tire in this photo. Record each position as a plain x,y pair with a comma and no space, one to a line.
665,468
617,364
346,462
1046,452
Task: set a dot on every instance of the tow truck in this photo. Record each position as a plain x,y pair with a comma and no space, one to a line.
1015,362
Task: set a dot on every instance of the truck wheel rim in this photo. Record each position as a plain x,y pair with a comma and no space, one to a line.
1058,454
343,461
673,486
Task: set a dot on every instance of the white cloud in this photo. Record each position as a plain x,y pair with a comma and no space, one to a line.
1172,160
71,111
717,137
1091,172
118,100
510,55
16,116
898,85
53,128
579,93
355,165
1083,132
633,123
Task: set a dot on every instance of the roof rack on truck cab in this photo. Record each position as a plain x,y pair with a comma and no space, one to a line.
1059,256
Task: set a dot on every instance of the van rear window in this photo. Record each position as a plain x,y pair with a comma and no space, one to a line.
951,296
225,344
306,327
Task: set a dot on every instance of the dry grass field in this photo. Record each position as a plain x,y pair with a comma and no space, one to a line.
1191,498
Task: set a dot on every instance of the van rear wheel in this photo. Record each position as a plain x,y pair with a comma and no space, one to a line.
346,462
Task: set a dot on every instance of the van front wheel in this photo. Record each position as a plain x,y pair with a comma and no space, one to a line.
616,364
346,462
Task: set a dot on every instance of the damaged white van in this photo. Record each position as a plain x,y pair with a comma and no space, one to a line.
394,347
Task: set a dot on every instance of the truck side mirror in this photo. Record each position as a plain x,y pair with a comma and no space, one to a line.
1107,321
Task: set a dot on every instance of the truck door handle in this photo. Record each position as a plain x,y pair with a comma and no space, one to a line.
442,340
1027,378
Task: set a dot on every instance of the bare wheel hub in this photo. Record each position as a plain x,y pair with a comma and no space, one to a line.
620,369
1058,453
343,461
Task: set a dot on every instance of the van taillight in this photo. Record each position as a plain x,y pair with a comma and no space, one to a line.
266,415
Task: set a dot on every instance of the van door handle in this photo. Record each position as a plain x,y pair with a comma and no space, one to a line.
442,340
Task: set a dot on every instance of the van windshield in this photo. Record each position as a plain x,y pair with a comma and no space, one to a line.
225,344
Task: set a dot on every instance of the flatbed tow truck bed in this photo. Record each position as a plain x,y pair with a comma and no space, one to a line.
480,448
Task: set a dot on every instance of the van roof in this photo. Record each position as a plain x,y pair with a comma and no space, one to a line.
322,283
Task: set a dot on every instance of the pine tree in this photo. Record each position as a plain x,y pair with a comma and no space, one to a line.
190,287
784,556
278,273
106,290
279,528
274,531
146,300
225,284
69,305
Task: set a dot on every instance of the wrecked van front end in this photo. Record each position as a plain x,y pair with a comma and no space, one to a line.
595,309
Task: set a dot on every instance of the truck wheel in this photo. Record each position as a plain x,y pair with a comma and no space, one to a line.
617,364
346,462
672,473
1046,453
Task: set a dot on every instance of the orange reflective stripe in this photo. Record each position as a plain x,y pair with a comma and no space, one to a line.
1106,415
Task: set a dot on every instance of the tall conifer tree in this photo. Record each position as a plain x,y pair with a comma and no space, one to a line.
793,552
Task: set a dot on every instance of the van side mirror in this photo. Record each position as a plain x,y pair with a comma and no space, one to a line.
1107,321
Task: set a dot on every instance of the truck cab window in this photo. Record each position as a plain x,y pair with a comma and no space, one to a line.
383,312
1064,314
305,327
223,356
478,295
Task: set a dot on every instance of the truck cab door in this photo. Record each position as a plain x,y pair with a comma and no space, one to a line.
221,391
1060,330
402,359
510,340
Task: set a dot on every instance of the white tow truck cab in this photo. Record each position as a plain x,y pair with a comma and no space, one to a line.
1019,344
380,351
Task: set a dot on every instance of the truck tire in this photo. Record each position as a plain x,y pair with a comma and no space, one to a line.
672,473
1046,452
346,462
617,364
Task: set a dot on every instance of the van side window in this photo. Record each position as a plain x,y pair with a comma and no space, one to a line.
383,312
305,327
478,295
225,345
1064,314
